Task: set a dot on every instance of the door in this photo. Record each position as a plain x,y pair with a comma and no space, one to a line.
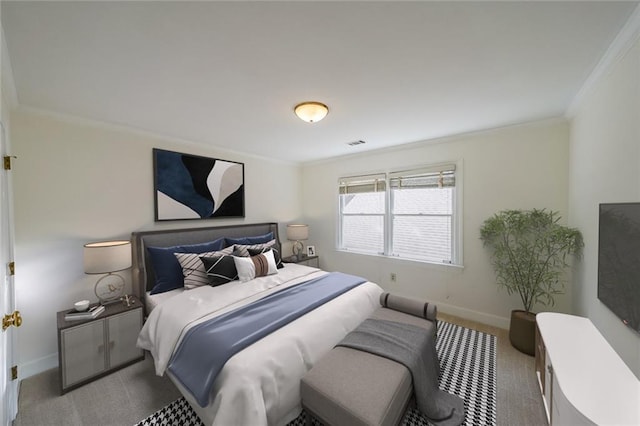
8,385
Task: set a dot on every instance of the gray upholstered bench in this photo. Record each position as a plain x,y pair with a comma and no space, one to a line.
352,387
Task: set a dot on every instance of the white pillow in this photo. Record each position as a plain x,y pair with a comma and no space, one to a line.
255,266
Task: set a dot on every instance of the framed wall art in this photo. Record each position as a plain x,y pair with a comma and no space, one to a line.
194,187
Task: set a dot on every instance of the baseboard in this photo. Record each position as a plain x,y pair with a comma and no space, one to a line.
469,314
37,366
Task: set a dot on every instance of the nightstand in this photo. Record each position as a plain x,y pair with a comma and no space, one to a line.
305,260
92,348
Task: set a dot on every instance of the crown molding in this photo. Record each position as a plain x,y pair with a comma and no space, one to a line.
202,146
445,139
624,41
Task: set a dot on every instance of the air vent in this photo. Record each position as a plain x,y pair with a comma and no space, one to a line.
354,143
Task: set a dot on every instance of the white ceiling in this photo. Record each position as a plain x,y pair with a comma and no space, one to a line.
229,73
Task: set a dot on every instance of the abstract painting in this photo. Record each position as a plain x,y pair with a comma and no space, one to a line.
193,187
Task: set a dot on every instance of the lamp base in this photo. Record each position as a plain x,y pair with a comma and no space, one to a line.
109,288
297,249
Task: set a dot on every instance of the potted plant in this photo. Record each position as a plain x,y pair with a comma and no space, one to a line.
529,254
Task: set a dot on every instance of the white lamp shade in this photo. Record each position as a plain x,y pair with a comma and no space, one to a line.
107,256
311,112
297,232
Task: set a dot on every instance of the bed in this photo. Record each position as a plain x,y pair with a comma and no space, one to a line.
260,385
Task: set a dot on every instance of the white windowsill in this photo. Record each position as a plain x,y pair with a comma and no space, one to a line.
402,259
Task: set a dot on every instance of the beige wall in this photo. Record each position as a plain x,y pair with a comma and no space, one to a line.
76,182
519,167
605,168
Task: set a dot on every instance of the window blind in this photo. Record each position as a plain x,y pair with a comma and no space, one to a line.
362,184
432,177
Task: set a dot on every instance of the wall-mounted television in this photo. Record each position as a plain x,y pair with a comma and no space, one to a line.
619,261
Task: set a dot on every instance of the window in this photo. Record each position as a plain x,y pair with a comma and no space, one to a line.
408,214
362,208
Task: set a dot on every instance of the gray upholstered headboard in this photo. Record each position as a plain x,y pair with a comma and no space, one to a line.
142,271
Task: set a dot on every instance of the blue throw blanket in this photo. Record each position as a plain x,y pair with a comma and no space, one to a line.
207,346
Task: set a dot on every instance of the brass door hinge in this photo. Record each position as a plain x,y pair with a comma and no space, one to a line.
7,162
14,372
12,268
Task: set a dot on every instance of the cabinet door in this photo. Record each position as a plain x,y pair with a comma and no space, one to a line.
123,334
540,360
549,389
83,352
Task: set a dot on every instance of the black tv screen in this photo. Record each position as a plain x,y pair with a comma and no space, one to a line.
619,261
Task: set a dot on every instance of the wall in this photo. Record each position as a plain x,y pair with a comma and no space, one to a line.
518,167
76,182
605,167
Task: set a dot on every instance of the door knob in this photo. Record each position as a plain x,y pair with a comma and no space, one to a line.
11,319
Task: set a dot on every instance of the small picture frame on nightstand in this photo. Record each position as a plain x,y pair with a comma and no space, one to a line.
311,250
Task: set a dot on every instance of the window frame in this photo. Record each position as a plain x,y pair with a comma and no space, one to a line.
456,216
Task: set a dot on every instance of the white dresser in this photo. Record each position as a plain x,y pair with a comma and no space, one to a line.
582,379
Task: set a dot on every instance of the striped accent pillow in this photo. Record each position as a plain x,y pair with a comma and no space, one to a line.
243,249
193,269
255,266
276,254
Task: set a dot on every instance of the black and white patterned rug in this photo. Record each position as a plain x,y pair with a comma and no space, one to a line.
467,369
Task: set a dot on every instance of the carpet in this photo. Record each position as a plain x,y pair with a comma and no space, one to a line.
467,369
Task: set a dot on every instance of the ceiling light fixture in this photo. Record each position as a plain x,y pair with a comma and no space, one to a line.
311,112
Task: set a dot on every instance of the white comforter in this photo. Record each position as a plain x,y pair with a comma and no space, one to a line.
261,384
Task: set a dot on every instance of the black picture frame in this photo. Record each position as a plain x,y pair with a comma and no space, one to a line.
193,187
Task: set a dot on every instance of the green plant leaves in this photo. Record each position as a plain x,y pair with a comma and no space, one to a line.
529,252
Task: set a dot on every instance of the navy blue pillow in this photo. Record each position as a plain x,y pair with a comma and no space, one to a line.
258,239
166,267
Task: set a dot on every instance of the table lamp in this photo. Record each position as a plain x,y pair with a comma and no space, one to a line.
107,257
297,233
